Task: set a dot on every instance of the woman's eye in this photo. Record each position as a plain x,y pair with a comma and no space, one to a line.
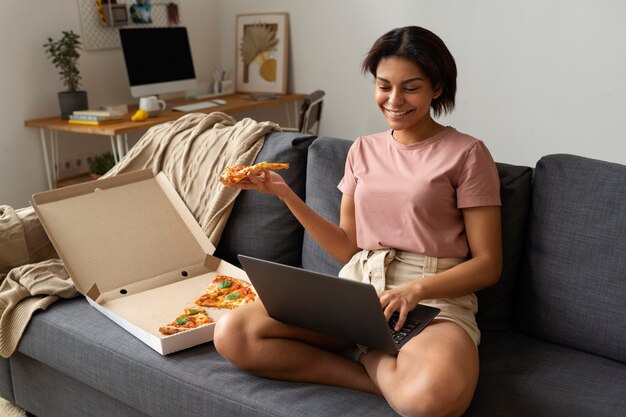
384,87
411,89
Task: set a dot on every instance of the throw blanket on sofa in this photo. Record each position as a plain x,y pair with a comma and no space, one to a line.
26,289
30,280
192,151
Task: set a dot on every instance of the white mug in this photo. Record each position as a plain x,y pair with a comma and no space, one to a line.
152,105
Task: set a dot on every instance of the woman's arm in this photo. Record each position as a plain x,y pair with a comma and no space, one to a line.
339,241
483,229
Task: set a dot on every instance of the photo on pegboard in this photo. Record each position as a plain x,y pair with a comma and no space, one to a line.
141,12
97,34
111,13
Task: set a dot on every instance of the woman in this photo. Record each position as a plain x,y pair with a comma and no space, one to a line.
420,198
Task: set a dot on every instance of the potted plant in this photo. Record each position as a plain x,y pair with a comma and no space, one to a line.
101,164
64,55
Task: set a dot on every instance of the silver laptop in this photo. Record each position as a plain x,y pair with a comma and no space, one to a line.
342,308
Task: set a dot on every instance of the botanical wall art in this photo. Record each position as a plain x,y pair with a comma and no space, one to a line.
262,48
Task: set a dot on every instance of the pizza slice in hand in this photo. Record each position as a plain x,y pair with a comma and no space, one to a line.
235,174
192,318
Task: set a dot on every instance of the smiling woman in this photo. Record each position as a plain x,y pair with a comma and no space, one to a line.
417,198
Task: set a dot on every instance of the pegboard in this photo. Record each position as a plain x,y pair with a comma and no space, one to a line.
95,36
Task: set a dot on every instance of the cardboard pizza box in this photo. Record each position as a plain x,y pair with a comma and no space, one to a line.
135,251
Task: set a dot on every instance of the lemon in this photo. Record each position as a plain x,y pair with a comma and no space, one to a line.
139,116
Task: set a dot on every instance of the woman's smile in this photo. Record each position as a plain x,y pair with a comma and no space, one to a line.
397,114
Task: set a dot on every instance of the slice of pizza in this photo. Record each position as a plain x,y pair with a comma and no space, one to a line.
226,292
192,318
235,174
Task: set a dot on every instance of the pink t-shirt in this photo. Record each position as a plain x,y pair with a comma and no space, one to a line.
410,197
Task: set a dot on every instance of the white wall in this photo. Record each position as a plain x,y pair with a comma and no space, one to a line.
535,76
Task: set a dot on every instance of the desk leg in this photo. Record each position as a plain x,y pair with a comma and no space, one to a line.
119,143
50,159
114,147
56,165
120,147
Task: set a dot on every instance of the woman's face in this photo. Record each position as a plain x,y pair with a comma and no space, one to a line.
404,94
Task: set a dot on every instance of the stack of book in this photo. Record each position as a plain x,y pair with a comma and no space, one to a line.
94,117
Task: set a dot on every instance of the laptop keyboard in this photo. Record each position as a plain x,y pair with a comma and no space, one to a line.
409,325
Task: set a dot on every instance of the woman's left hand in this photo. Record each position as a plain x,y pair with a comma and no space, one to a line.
402,299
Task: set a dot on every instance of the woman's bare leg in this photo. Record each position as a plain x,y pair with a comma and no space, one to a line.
435,374
253,341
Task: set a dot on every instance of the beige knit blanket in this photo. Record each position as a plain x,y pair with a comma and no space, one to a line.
192,151
31,279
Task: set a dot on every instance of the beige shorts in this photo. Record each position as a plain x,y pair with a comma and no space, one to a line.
386,269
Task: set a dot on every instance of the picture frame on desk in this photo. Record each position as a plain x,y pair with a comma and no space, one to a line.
262,53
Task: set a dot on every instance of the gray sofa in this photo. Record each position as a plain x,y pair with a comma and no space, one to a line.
553,328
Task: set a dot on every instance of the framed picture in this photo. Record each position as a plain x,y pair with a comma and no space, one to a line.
262,52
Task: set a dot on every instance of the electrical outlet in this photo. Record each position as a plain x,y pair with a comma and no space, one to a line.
75,165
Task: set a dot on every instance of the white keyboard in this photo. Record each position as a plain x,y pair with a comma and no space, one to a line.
195,106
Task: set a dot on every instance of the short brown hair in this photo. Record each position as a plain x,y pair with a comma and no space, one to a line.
427,51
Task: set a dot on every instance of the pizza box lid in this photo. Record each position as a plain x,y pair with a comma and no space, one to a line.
133,248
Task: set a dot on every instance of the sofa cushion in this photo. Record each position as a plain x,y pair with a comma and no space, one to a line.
261,225
522,376
495,303
573,283
324,170
75,339
63,396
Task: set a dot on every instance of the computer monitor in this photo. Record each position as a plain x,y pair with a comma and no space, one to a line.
158,60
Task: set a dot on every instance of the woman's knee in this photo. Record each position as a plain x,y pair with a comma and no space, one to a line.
428,402
432,400
232,336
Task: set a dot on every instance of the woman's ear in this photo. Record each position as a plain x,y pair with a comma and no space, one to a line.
437,92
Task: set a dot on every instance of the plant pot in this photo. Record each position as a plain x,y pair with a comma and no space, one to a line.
69,101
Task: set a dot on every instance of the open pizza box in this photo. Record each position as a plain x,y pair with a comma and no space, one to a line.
133,248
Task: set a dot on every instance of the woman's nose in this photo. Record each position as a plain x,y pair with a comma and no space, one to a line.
396,96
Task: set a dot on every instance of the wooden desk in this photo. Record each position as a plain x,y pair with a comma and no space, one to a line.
118,130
